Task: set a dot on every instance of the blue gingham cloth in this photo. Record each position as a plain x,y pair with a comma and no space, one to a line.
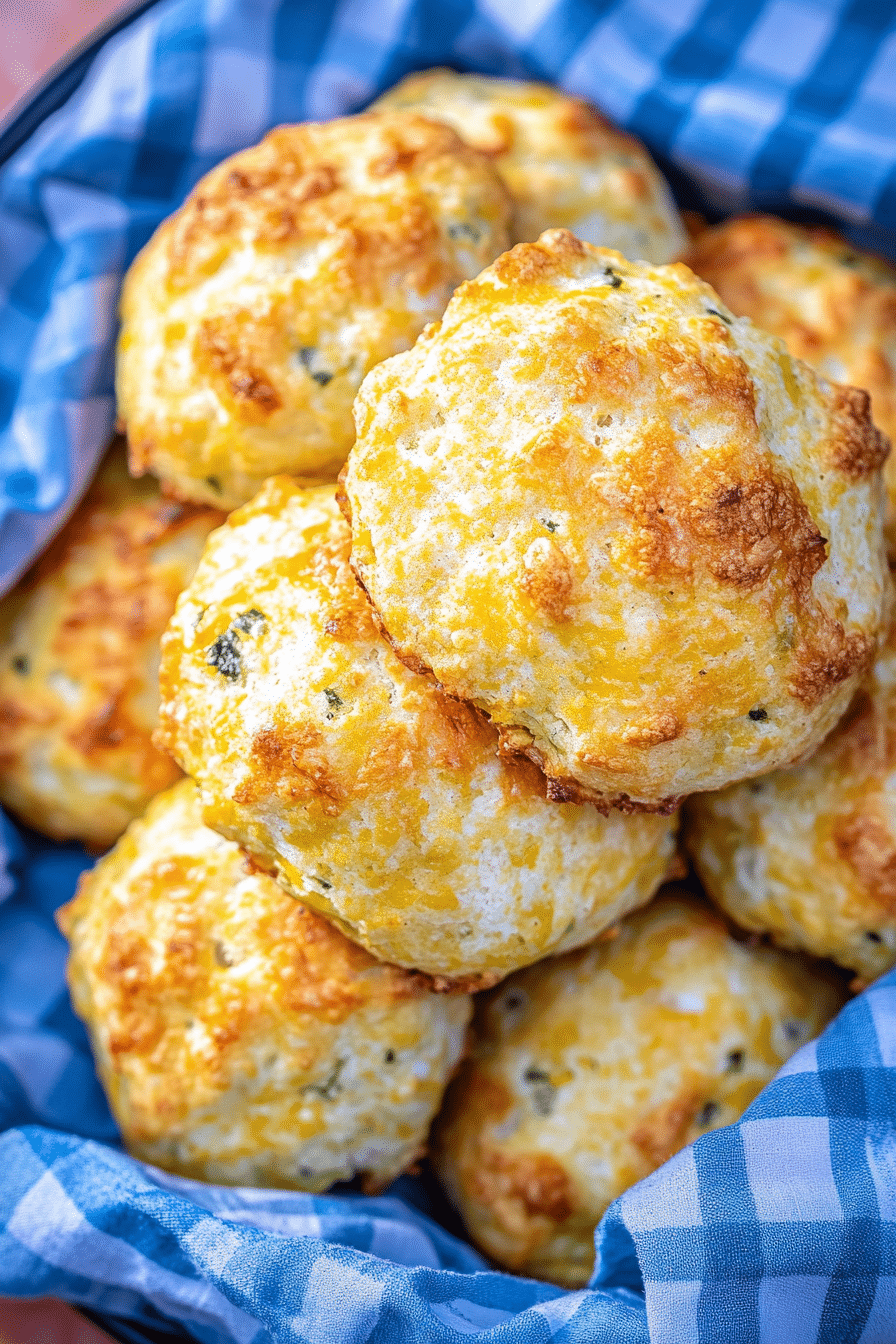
779,1230
780,103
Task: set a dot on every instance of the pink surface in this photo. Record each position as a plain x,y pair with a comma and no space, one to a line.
36,33
45,1322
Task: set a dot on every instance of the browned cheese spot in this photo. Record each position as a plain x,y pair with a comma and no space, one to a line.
19,713
529,1193
498,137
287,759
453,732
756,524
577,117
652,731
521,777
726,513
347,624
634,182
534,263
606,375
832,657
864,841
547,578
141,453
107,728
464,984
663,1131
349,614
858,448
254,863
261,191
225,344
324,974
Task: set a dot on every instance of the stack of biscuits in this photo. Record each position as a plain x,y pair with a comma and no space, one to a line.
539,772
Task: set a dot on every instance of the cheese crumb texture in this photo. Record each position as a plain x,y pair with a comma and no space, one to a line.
79,659
809,854
241,1038
564,164
591,1070
251,316
375,798
661,534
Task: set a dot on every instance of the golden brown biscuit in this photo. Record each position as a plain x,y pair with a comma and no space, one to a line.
79,655
241,1038
592,1069
834,305
254,312
564,164
374,798
624,523
809,854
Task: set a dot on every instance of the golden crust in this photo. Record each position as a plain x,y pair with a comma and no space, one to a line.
563,163
240,1037
254,312
592,1069
809,854
79,642
834,305
374,797
623,523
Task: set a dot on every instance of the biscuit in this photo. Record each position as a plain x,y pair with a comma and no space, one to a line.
79,654
563,163
251,316
624,523
240,1038
591,1070
373,797
809,854
834,305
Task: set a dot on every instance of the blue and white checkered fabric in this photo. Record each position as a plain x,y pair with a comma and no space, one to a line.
779,1230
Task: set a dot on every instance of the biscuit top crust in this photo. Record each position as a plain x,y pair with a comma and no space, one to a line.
562,161
590,1070
79,640
834,305
186,960
619,519
809,854
377,799
371,176
276,584
251,316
